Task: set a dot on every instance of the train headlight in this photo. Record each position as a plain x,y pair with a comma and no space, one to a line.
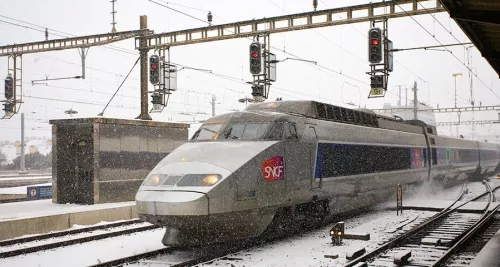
199,180
211,179
154,180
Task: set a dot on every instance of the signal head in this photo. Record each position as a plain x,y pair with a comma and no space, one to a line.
256,58
154,69
375,51
9,87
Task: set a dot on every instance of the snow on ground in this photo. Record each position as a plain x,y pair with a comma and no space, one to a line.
18,190
309,249
91,252
29,209
14,178
71,237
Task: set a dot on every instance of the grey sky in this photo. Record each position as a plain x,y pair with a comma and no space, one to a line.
341,48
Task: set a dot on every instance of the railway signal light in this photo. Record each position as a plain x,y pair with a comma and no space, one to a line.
375,45
154,69
377,81
337,233
156,99
9,87
256,59
8,108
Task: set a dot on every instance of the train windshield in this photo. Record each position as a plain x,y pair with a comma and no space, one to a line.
208,132
235,131
245,131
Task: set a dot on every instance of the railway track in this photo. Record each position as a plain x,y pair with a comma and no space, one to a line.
437,241
25,245
174,257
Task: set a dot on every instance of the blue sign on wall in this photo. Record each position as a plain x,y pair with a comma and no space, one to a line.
39,192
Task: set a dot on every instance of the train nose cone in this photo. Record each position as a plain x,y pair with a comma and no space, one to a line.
182,197
171,203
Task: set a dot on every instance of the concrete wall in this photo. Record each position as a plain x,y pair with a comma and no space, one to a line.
99,160
44,224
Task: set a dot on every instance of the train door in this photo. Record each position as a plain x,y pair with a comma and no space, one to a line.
315,183
297,159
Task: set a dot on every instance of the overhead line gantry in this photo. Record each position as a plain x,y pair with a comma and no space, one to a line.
146,40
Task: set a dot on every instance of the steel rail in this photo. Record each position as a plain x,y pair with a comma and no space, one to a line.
473,229
135,258
64,233
27,250
393,243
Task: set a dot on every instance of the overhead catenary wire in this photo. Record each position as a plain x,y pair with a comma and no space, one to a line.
444,27
273,47
178,11
451,52
395,60
135,64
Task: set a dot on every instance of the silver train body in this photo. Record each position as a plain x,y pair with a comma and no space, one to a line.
288,158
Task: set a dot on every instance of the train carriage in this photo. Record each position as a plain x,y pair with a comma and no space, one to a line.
293,160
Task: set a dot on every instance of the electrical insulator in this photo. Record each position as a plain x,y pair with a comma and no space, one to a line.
9,87
256,58
375,45
315,4
154,69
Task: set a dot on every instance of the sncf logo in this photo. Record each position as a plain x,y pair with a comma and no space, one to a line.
272,169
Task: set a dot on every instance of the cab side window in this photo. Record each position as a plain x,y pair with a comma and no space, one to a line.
292,132
277,132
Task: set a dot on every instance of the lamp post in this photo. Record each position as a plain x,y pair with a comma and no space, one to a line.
455,75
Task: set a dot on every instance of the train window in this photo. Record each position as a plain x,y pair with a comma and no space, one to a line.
277,132
321,111
235,131
254,130
330,112
373,120
434,156
207,132
293,132
424,152
349,116
245,131
337,114
358,118
353,159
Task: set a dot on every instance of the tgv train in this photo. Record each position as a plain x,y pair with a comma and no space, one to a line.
291,160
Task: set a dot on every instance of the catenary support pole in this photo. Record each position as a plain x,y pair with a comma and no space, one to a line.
415,102
23,166
144,72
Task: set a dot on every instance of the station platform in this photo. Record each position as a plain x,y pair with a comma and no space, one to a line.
11,175
13,181
18,193
438,205
489,255
43,216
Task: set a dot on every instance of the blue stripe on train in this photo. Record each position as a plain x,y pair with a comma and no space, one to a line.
349,159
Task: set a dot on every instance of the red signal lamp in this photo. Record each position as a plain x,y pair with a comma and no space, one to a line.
255,54
374,41
154,66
